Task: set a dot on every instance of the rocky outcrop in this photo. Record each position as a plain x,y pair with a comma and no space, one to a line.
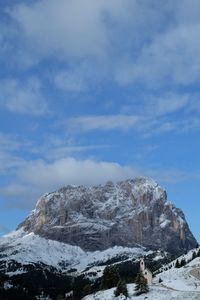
128,213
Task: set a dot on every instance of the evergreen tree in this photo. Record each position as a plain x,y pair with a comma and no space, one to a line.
110,277
60,297
160,280
198,253
177,264
121,288
183,262
87,289
194,255
141,284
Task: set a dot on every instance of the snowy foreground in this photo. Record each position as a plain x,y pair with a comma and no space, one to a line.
156,293
177,284
30,248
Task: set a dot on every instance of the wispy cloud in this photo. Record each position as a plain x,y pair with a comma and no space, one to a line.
122,40
173,175
113,30
104,122
121,36
22,97
58,149
76,78
70,82
65,151
160,62
9,160
166,104
13,148
153,115
8,142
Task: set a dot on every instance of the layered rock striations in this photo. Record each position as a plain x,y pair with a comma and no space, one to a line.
128,213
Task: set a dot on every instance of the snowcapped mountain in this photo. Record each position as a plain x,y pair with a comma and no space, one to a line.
72,234
129,213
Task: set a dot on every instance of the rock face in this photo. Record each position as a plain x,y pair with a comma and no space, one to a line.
128,213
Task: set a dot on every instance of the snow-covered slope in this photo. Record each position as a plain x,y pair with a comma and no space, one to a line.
180,284
128,213
181,278
156,293
30,248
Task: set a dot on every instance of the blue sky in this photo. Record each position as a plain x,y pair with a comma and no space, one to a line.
96,90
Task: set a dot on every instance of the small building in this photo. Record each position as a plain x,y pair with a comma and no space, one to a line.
146,272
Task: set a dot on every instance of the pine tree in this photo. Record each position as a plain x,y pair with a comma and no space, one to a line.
60,297
198,253
121,288
141,284
87,289
160,280
183,262
177,264
110,277
194,255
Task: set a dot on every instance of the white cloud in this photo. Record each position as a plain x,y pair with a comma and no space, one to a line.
16,190
162,105
191,124
72,171
170,103
8,142
135,40
88,28
160,126
187,13
13,148
22,97
9,146
38,177
67,28
104,122
54,148
9,162
170,57
64,151
153,115
166,104
72,81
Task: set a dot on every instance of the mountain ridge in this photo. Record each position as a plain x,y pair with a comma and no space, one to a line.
128,213
66,242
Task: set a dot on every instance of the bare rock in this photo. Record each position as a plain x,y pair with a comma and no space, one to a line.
129,213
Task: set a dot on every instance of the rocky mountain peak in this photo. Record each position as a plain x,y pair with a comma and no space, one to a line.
128,213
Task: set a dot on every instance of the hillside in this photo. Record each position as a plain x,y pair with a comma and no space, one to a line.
177,284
